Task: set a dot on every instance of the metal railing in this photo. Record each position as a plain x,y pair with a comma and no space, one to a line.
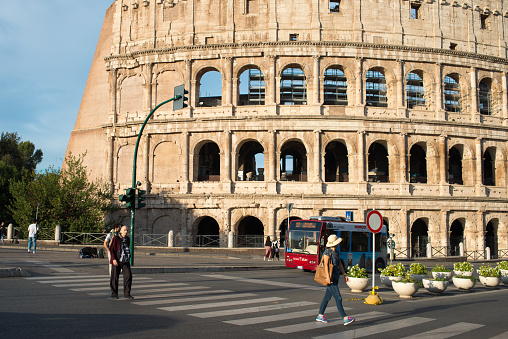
207,240
151,239
83,238
401,252
474,255
250,241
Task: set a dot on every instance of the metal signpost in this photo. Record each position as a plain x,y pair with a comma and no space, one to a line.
130,193
374,223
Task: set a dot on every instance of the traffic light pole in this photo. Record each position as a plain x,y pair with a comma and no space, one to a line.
133,207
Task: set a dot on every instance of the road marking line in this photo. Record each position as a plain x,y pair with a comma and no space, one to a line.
91,283
58,281
278,317
168,289
375,329
222,304
68,277
265,282
180,294
447,331
134,286
52,266
201,298
501,336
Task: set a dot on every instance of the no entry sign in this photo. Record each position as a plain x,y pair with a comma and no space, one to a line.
374,221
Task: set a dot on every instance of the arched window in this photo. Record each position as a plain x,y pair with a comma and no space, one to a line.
489,167
414,91
210,89
418,165
335,87
293,162
419,238
456,237
491,238
251,162
375,88
455,166
452,93
485,97
336,162
378,163
250,232
208,233
293,87
209,162
252,87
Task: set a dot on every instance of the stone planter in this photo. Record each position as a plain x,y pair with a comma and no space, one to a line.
504,276
440,275
405,290
463,283
357,285
420,277
387,280
464,273
490,281
435,286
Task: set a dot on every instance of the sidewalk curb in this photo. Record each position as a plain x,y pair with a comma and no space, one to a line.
161,270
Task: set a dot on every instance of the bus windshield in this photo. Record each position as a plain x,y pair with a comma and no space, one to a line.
304,237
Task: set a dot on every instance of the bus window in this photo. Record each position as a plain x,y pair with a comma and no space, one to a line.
303,242
344,245
380,241
360,241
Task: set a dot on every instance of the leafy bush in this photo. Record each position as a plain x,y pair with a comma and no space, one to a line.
357,272
463,266
465,277
488,271
440,268
503,265
393,270
439,279
408,278
417,268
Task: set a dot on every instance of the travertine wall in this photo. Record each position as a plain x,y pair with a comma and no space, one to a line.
147,48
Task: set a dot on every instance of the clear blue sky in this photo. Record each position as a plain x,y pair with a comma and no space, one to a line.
46,50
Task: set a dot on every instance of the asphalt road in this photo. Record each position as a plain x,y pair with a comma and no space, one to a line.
245,304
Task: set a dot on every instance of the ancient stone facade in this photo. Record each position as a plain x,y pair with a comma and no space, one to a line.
334,106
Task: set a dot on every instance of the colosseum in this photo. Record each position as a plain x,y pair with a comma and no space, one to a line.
332,106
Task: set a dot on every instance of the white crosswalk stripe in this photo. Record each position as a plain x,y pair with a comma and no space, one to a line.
359,332
180,294
67,277
220,304
180,287
193,299
277,317
447,331
255,309
501,336
314,324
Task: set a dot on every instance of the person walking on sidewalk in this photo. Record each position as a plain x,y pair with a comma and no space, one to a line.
114,231
332,253
120,256
268,249
275,250
32,235
2,231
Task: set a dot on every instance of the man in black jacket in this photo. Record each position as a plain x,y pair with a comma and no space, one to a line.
120,255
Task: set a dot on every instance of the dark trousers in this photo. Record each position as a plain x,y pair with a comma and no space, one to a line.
127,279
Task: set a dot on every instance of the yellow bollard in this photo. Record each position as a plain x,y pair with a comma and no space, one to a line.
373,298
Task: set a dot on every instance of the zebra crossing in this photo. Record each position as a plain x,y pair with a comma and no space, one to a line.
270,313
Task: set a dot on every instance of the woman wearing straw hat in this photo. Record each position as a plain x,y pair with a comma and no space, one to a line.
332,290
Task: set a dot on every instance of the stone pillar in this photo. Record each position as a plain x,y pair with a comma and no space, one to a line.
404,235
443,157
227,156
171,239
360,109
361,156
235,92
315,85
111,162
399,74
189,84
444,235
228,81
271,95
183,229
146,158
273,25
227,228
184,186
147,88
271,223
113,95
58,234
504,101
475,115
479,158
480,232
10,232
317,181
272,163
403,154
440,112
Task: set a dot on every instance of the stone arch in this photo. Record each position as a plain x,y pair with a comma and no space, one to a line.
293,161
484,96
123,170
165,155
489,166
250,232
208,232
163,224
208,101
256,94
336,162
130,94
164,82
293,85
491,232
378,165
282,228
456,233
336,87
418,162
207,161
377,87
419,237
415,90
246,163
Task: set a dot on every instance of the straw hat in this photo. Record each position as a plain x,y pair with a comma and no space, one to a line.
333,241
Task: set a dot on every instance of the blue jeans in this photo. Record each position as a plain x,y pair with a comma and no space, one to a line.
332,291
32,240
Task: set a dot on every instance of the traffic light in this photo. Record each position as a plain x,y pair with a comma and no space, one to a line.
129,197
180,98
141,198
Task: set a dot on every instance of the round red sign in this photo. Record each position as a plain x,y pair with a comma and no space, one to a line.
374,221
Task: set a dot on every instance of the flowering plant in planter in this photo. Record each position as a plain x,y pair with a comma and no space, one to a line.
440,268
408,278
465,277
357,272
393,270
503,265
417,268
488,271
463,266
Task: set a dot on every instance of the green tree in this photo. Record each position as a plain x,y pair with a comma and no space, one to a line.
66,197
18,160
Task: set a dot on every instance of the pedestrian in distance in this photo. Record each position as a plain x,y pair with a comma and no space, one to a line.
268,249
332,290
2,232
114,231
275,250
120,259
33,228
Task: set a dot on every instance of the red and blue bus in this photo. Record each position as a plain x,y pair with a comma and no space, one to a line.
306,242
